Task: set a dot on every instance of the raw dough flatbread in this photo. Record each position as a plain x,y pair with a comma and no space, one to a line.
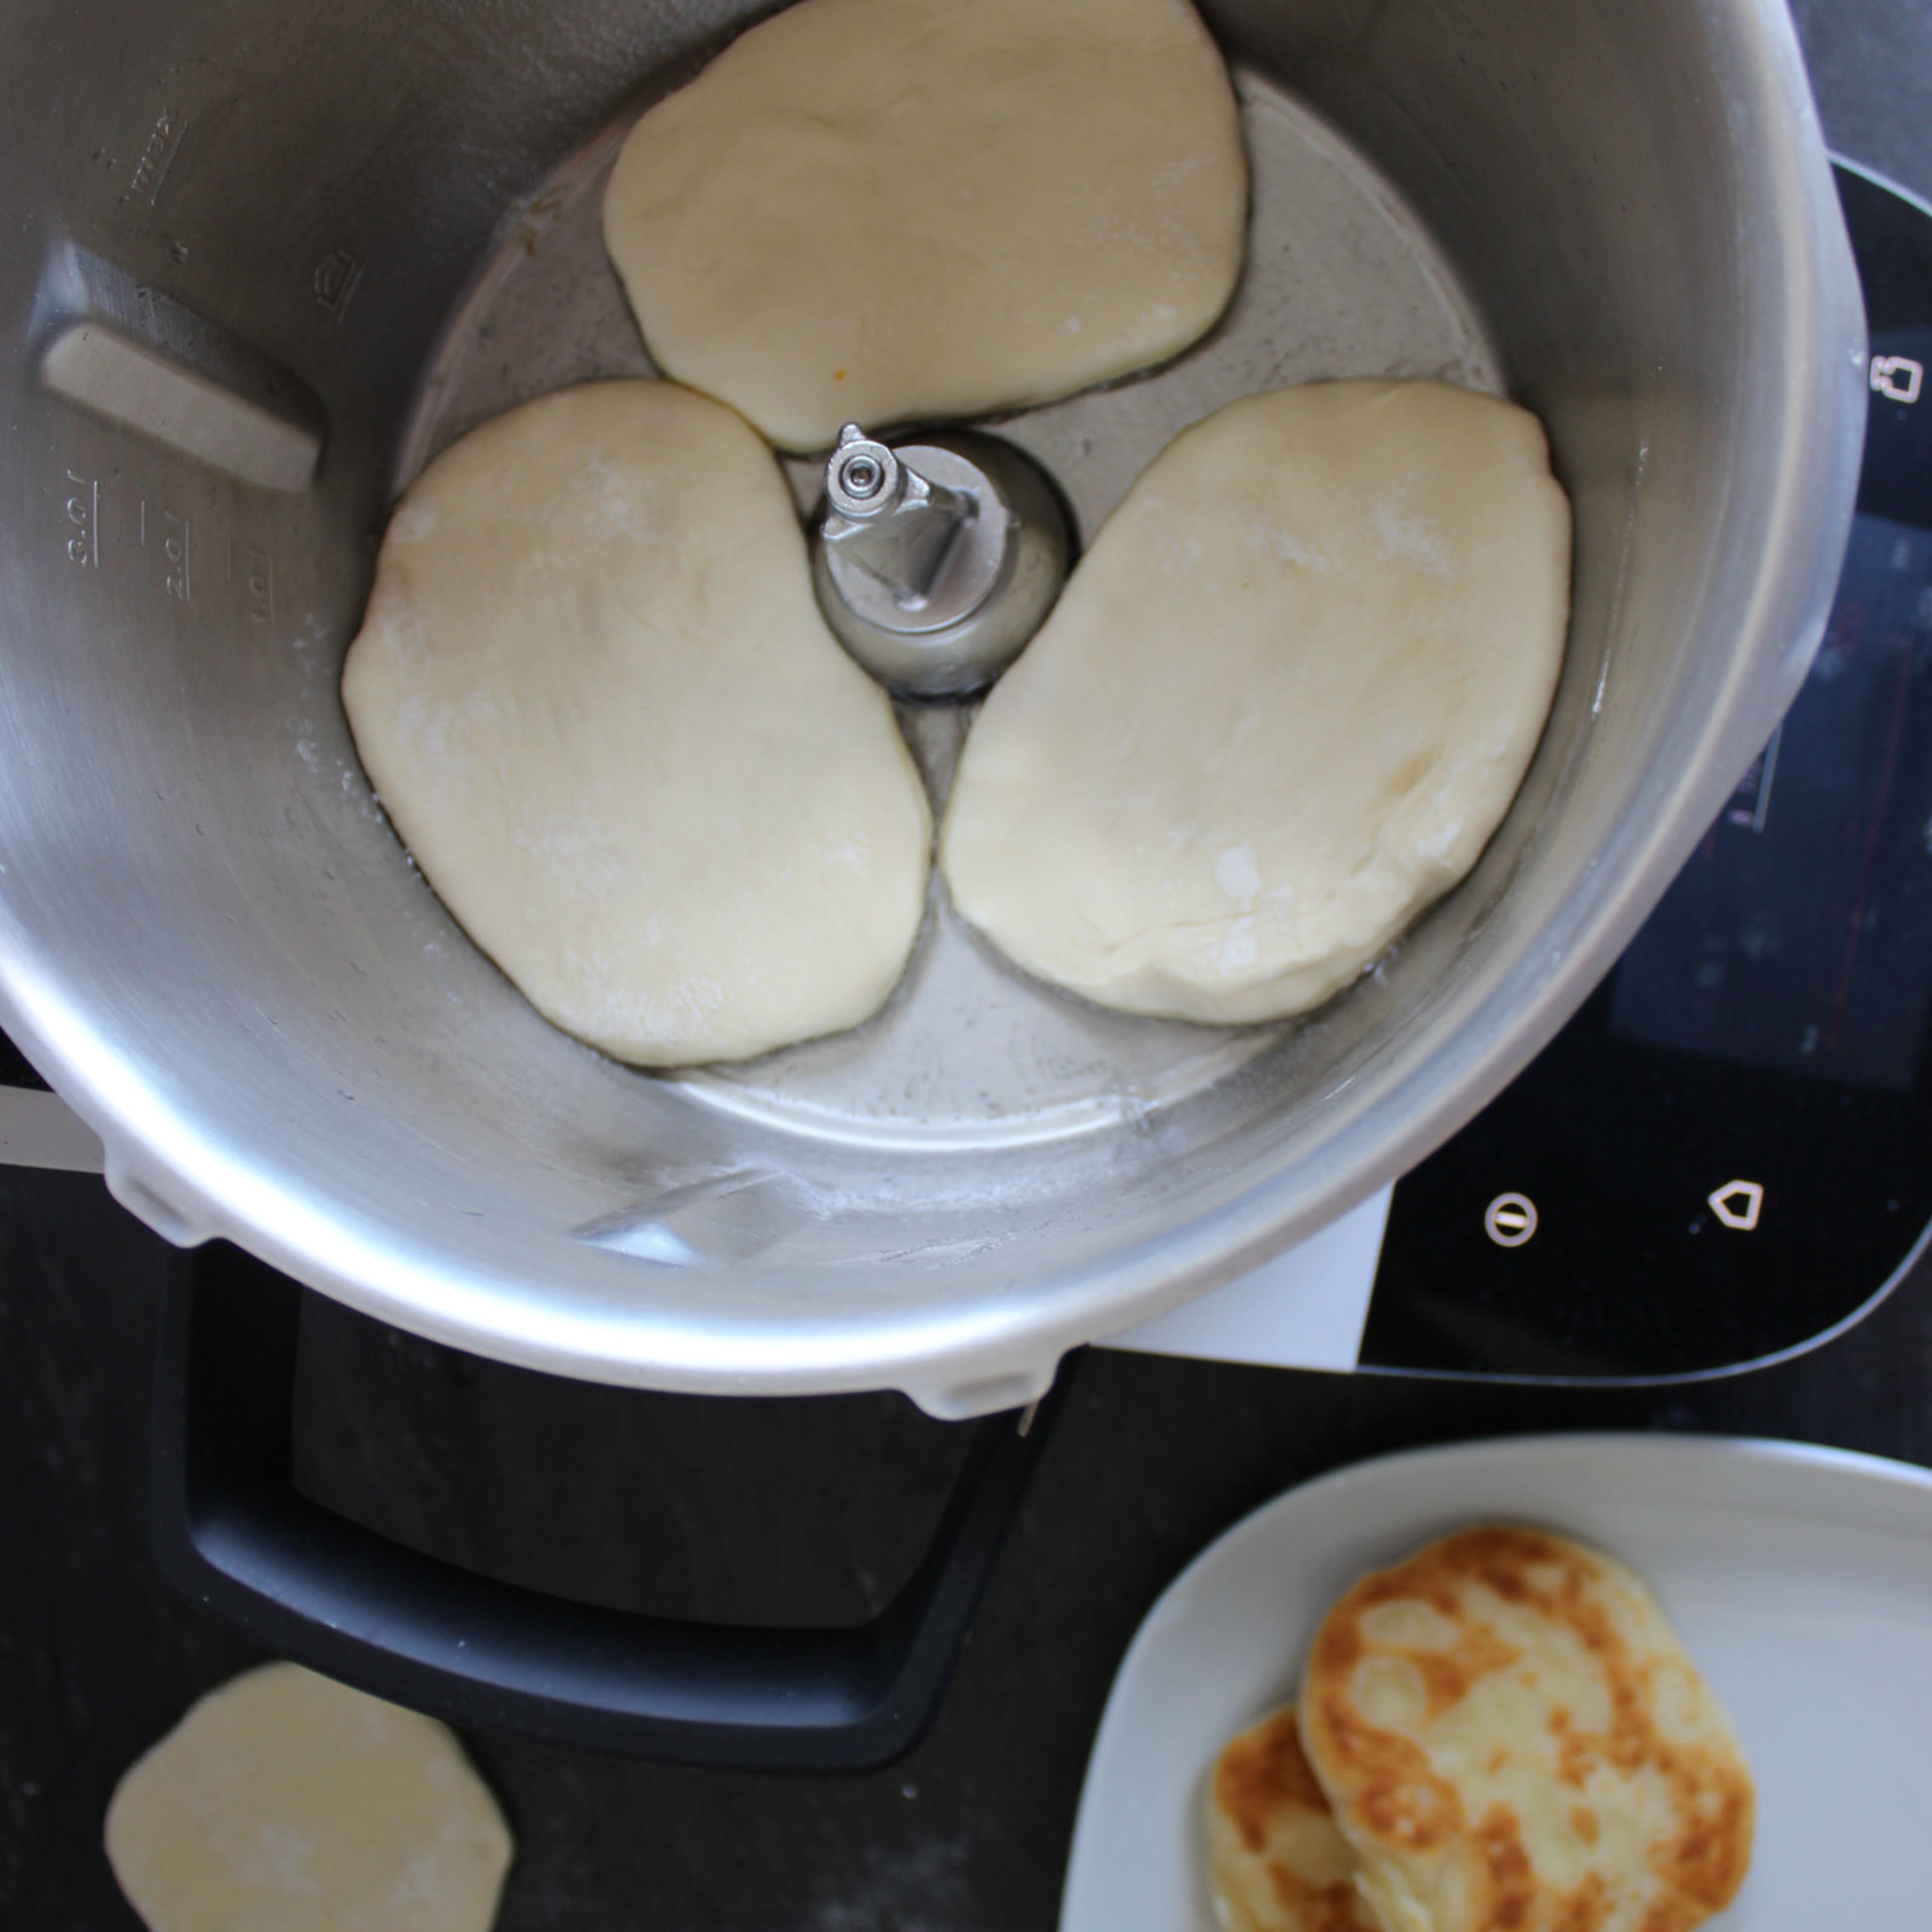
285,1800
1276,1860
875,210
595,694
1512,1735
1280,707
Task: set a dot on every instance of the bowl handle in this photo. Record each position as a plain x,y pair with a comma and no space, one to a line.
233,1534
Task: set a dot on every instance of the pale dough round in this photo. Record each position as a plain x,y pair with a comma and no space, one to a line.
594,693
1281,706
871,211
285,1800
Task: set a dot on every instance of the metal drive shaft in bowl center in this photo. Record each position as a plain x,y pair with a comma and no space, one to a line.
936,559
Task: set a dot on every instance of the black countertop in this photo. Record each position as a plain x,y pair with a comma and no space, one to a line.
787,1511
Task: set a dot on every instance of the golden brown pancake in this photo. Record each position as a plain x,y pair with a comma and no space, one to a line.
1276,1861
1515,1740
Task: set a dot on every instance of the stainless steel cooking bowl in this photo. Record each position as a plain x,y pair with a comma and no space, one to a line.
261,262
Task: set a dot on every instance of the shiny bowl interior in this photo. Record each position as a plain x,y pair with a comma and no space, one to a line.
340,235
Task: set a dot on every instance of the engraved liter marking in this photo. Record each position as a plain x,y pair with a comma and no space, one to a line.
177,549
337,277
258,583
83,520
157,156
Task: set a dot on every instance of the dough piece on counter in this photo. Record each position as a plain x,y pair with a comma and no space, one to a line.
594,693
285,1800
871,211
1280,707
1276,1860
1512,1734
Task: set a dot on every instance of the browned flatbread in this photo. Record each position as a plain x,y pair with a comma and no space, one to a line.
1515,1740
1276,1861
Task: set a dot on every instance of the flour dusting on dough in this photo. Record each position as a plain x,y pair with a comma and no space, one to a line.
597,696
1305,663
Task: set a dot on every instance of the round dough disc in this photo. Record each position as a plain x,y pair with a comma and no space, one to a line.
283,1799
1280,707
873,210
595,694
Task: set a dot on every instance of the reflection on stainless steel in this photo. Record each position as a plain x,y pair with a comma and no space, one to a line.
209,937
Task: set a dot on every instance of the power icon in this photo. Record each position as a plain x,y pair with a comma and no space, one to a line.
1738,1204
1509,1220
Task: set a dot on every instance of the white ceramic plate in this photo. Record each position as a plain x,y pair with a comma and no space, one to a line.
1801,1579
